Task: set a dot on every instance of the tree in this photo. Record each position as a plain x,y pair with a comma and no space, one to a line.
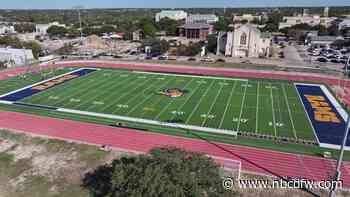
34,46
164,172
57,31
221,25
168,25
212,43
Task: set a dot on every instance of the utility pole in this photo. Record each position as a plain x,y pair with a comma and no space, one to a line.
78,8
337,175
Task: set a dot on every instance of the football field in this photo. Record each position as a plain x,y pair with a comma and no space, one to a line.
264,107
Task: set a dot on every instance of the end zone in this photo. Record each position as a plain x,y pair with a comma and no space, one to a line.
327,117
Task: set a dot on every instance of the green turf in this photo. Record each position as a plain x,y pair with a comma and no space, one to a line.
256,106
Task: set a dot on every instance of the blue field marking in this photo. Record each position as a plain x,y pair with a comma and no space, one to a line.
46,84
327,117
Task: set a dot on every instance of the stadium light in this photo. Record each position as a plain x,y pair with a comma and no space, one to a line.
340,158
78,8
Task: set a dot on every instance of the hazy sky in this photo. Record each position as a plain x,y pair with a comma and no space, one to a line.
40,4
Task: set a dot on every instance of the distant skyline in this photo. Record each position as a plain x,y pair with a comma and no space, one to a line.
67,4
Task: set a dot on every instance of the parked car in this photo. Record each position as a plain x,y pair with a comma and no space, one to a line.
172,58
207,59
334,60
163,57
148,57
220,60
192,59
322,59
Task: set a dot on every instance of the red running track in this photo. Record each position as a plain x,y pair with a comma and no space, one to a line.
253,160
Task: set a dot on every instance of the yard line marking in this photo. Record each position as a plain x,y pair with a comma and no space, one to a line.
127,93
193,92
172,100
257,110
273,112
289,111
228,104
120,82
147,97
200,100
212,105
242,105
192,76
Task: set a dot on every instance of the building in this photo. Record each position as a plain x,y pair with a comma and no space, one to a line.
172,14
245,41
16,57
137,35
324,41
345,24
290,21
41,29
247,17
196,31
202,18
7,29
326,12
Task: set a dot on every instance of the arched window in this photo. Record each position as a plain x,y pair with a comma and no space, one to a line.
243,39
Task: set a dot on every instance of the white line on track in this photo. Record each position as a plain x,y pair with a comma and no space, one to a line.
228,104
289,111
200,100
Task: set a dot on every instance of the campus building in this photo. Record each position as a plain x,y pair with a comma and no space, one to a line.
202,18
172,14
196,31
244,41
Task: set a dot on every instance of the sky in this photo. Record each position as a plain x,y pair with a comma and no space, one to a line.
66,4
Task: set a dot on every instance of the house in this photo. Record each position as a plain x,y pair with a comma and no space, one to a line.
202,18
137,35
172,14
245,41
41,29
7,29
196,31
16,57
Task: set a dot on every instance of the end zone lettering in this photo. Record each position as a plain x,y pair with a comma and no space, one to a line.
54,82
323,112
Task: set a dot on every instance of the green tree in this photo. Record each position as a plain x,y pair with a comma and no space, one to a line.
57,31
212,43
168,25
34,46
222,24
163,172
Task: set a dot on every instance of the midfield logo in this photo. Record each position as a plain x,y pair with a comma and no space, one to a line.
172,92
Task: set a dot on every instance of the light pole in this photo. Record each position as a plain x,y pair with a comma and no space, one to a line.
337,175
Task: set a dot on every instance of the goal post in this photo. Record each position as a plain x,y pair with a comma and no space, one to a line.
231,167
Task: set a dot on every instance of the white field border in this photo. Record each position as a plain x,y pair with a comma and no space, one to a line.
342,112
146,121
192,76
46,80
